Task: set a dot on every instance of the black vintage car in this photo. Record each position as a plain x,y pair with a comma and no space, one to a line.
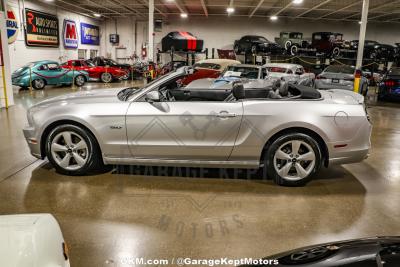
367,252
253,44
375,50
181,41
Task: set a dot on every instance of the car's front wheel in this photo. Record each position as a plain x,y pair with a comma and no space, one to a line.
292,159
72,150
237,49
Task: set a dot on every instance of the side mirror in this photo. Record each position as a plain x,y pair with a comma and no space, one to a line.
153,96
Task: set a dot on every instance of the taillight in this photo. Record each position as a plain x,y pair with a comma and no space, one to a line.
390,83
319,77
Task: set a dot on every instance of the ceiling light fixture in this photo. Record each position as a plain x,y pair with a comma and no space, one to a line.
360,22
273,17
184,15
49,0
97,15
297,2
230,10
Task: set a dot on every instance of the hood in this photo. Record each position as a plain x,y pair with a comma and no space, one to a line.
30,240
357,252
108,95
339,96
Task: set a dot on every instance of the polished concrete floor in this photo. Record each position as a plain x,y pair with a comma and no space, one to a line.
140,212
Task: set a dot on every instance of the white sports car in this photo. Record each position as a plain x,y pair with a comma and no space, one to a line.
29,240
290,72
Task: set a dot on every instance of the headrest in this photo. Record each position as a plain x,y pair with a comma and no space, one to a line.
238,90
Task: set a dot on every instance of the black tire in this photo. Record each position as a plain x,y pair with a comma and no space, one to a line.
237,49
93,162
269,157
106,77
288,45
38,84
336,52
294,50
80,80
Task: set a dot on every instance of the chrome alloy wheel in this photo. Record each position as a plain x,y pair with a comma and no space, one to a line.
79,80
294,160
69,150
106,77
39,84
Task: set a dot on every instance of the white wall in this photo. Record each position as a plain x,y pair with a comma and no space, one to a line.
220,32
20,54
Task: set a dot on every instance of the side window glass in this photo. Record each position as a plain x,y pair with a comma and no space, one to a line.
44,67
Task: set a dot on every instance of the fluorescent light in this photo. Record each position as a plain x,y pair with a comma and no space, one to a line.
49,0
297,2
359,22
97,15
184,15
230,10
273,17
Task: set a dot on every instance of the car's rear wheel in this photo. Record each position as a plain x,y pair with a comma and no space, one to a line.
72,150
106,77
292,159
38,84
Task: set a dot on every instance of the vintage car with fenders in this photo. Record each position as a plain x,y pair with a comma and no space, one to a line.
289,138
47,72
292,41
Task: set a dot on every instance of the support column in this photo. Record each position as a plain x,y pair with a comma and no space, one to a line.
150,54
363,29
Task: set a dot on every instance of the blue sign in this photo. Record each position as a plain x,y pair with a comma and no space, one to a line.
90,34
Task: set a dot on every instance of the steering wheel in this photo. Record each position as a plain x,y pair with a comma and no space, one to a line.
165,95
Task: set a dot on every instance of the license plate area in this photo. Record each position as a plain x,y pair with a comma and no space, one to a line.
335,80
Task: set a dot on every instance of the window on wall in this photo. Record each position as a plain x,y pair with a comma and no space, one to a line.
81,53
93,53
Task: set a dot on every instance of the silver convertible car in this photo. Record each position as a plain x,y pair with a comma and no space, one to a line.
289,137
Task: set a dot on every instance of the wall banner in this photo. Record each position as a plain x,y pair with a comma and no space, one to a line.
41,29
70,34
90,34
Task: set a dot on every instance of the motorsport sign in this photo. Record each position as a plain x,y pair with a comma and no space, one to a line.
41,29
70,34
12,25
90,34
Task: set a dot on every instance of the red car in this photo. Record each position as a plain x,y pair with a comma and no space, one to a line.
209,68
104,74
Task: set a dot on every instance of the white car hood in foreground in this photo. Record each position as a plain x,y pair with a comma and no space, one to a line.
31,240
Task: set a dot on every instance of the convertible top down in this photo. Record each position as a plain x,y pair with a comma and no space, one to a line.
290,135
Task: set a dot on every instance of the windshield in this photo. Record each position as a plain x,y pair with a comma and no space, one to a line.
277,69
260,39
296,35
242,72
110,62
212,66
90,63
340,69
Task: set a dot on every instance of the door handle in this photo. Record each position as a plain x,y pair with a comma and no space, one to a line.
225,114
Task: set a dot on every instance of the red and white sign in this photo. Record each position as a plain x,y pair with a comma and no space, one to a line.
12,25
70,34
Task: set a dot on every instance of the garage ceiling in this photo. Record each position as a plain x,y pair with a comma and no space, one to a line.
380,10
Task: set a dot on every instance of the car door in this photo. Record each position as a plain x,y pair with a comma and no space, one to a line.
54,73
183,130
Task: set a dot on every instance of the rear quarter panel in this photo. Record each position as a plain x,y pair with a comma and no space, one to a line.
263,119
